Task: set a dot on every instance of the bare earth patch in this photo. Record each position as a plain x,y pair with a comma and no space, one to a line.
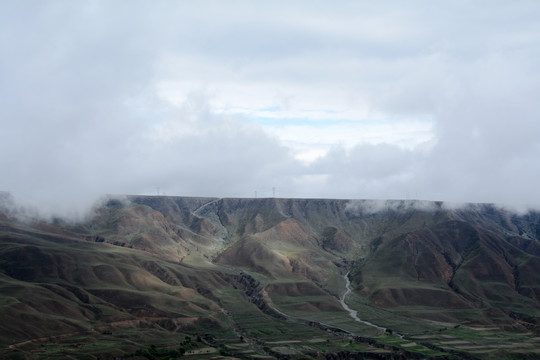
409,345
238,346
284,342
455,342
513,345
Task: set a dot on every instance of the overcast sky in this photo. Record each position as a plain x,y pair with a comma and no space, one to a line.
345,99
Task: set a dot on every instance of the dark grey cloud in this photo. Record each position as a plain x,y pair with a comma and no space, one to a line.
82,113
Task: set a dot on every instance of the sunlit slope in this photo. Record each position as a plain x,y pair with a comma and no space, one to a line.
408,254
55,283
452,266
169,262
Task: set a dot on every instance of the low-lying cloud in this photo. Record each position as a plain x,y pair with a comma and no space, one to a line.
370,207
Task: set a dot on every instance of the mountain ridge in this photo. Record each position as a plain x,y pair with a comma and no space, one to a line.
169,262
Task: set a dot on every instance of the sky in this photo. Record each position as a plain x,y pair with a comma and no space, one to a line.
296,99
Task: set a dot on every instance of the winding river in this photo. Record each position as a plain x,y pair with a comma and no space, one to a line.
354,313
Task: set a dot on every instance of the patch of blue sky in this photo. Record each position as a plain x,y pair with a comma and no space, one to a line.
278,108
317,123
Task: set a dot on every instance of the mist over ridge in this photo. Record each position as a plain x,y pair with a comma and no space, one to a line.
80,212
107,98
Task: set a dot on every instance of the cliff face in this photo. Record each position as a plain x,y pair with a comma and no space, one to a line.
156,257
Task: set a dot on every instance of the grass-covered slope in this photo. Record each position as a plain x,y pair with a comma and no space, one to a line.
453,266
261,273
56,283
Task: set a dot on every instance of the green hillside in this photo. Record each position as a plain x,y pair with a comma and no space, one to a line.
168,277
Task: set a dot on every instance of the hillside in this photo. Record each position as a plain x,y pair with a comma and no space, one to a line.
145,269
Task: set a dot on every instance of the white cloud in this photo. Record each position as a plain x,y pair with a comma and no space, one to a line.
312,141
370,207
353,99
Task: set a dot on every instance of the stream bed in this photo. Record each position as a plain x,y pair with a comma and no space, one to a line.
354,313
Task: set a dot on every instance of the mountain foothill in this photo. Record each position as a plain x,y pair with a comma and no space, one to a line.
181,263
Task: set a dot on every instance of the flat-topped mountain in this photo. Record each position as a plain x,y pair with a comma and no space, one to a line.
181,264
